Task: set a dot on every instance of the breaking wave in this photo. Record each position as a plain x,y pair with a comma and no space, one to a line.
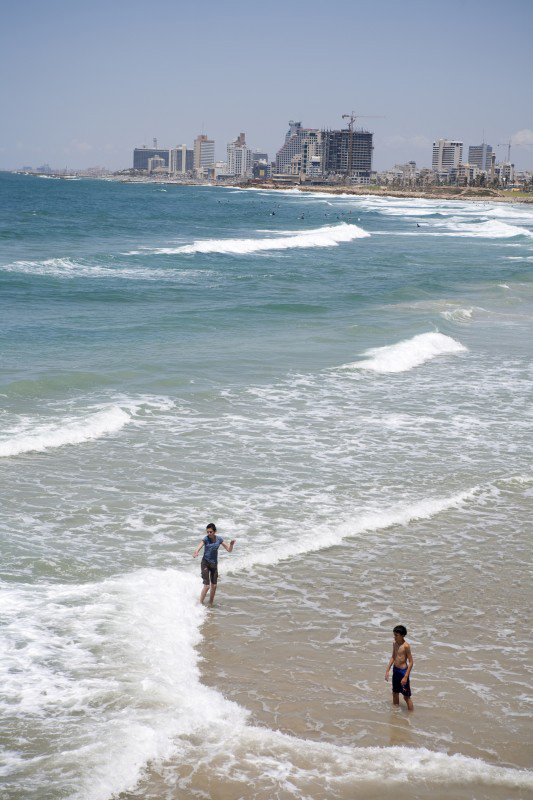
326,536
406,355
37,436
328,236
491,229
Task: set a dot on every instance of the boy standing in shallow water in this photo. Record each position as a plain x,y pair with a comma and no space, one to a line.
209,566
402,659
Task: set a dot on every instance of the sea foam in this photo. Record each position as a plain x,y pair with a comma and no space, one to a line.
406,355
71,268
490,229
323,537
38,436
296,768
327,236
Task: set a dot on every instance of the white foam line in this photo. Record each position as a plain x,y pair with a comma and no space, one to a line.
407,354
327,236
327,765
67,268
490,229
44,436
324,537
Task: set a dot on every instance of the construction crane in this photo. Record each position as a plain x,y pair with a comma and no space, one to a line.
352,117
508,146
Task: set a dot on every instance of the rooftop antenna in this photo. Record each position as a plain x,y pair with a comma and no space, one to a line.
352,117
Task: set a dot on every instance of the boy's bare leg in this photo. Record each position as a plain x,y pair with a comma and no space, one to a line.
410,706
396,698
212,593
203,594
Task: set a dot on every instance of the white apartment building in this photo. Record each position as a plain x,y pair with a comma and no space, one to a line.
447,155
204,153
178,160
240,158
292,146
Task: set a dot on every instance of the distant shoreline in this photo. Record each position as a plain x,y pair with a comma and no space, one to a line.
440,193
467,193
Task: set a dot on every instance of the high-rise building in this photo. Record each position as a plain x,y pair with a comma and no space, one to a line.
142,154
447,155
258,155
340,157
181,160
480,155
204,153
311,156
292,147
239,161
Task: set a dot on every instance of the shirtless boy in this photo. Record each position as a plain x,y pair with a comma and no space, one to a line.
402,659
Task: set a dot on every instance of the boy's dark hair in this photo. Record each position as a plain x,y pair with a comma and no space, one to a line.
211,526
401,629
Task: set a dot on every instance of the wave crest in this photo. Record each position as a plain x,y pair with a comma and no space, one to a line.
491,229
407,354
40,437
325,537
327,236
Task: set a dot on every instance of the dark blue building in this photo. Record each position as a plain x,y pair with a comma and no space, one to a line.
142,154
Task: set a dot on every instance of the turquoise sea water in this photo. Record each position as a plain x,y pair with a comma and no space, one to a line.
342,383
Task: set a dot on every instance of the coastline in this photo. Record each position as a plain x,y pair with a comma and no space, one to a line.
468,193
440,193
472,194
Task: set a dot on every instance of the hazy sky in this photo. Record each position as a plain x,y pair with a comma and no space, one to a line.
83,83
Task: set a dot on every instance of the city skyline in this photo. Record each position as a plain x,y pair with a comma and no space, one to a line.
87,85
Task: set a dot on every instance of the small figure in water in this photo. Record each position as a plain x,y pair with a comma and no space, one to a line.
209,565
402,659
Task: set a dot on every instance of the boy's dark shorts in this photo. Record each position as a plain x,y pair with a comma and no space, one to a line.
397,688
209,572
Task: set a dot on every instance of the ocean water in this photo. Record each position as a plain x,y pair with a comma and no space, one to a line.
344,385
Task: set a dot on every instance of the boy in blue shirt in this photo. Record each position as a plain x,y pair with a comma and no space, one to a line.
209,565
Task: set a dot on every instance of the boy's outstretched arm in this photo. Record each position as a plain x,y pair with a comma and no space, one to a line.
229,547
